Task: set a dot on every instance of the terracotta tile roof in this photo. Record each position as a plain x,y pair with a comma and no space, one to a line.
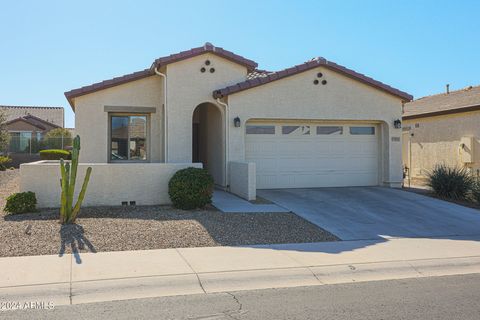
314,63
463,100
207,47
106,84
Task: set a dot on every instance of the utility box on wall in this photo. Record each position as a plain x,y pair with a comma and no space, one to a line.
466,150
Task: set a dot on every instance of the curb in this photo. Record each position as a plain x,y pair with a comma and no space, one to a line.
77,292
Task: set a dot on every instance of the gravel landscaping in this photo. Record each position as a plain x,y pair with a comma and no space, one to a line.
140,228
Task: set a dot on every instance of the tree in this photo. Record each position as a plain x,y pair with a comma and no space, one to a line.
58,138
4,135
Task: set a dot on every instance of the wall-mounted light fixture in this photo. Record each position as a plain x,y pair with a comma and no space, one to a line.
397,124
236,122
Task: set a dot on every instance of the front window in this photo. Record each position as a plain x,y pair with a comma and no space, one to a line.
128,137
20,141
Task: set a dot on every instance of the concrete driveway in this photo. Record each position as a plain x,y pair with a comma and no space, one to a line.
374,212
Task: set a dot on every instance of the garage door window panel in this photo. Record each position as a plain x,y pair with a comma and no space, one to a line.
295,130
362,131
259,129
329,130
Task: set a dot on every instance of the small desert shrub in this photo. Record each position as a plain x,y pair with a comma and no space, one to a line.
191,188
4,160
21,203
450,182
476,191
54,154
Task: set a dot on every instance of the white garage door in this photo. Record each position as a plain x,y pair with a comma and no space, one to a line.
308,155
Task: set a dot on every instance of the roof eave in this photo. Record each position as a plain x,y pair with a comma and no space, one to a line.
442,112
319,62
25,120
207,48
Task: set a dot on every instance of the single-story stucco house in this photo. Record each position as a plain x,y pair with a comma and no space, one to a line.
442,129
27,126
317,124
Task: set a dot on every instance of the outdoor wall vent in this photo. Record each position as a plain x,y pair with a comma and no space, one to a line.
203,70
319,75
212,70
207,62
124,203
324,82
315,82
133,203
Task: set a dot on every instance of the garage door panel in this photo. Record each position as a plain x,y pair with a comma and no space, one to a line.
313,160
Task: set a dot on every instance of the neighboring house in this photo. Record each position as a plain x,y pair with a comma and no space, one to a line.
54,115
317,124
442,129
27,125
25,129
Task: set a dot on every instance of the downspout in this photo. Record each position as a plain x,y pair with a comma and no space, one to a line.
227,138
165,117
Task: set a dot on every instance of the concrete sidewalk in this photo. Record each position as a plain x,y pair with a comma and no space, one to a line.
110,276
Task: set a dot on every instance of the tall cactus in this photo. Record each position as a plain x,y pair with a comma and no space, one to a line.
68,214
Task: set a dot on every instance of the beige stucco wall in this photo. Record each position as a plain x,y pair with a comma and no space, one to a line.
187,87
109,185
91,121
294,97
243,179
342,98
436,140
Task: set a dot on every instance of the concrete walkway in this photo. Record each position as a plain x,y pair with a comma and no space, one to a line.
110,276
230,203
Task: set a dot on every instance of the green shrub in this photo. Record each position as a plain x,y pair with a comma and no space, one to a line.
476,191
191,188
21,203
4,160
451,183
54,154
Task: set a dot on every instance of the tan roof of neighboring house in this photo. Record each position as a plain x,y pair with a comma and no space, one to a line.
314,63
53,115
463,100
34,121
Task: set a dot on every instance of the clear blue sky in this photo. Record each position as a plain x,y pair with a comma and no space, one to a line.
48,47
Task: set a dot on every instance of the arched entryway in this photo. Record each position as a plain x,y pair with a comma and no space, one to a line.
208,142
